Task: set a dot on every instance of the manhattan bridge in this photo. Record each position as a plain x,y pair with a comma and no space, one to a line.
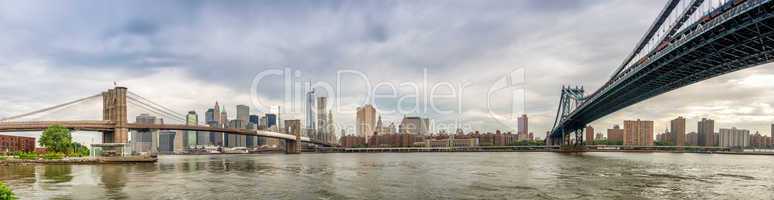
690,41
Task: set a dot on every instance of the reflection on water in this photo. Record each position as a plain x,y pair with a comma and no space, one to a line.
406,176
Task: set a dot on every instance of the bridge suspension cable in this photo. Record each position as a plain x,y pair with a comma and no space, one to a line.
648,35
153,109
56,107
154,103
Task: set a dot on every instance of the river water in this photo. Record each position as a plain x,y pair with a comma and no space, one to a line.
406,176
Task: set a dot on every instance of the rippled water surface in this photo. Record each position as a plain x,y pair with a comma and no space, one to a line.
406,176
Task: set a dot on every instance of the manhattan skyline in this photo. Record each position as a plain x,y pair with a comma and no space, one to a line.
141,49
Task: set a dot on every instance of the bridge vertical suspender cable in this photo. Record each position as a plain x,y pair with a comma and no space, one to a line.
648,35
60,106
153,109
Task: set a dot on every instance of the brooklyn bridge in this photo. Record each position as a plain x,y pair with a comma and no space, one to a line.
115,127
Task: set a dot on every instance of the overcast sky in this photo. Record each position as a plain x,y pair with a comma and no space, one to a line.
188,54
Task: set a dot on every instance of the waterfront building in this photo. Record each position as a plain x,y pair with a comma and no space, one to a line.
615,134
365,121
12,144
191,119
677,127
706,130
589,134
638,132
350,141
167,142
733,137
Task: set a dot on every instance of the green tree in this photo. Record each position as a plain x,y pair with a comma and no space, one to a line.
6,193
56,138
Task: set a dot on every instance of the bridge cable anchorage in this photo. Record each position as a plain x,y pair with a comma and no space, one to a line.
648,35
154,110
154,103
56,107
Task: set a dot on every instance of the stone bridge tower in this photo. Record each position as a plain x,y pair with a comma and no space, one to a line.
114,110
293,127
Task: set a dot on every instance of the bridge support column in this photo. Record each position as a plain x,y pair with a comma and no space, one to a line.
114,110
293,127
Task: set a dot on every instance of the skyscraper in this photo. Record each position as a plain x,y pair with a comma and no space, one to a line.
310,122
224,118
322,118
706,129
331,128
271,120
217,114
522,127
677,127
365,121
243,115
639,132
191,119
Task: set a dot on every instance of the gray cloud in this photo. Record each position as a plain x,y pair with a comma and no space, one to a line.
218,47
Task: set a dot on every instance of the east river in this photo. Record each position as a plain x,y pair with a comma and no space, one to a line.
389,176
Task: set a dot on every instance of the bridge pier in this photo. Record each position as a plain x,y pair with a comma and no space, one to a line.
293,127
114,110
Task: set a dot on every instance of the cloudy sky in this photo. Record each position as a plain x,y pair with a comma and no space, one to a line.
442,58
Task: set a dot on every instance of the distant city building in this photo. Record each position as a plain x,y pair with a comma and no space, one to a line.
243,115
616,134
224,122
706,130
255,119
167,142
365,121
732,137
692,139
638,132
677,127
522,125
350,141
191,119
589,133
12,144
271,120
415,125
217,115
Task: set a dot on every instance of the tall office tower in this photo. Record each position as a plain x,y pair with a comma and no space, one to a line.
589,133
639,132
365,121
255,120
322,118
331,128
677,127
191,119
217,116
209,116
224,118
522,126
706,129
271,120
243,115
310,122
